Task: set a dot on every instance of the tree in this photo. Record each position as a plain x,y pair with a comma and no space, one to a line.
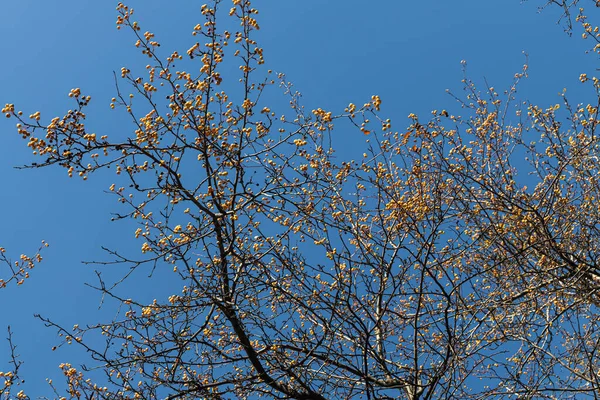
461,249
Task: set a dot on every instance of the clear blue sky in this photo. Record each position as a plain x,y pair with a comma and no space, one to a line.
335,52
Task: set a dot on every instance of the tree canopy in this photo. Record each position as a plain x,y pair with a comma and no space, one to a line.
456,258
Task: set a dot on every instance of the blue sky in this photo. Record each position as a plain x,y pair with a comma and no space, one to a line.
334,52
